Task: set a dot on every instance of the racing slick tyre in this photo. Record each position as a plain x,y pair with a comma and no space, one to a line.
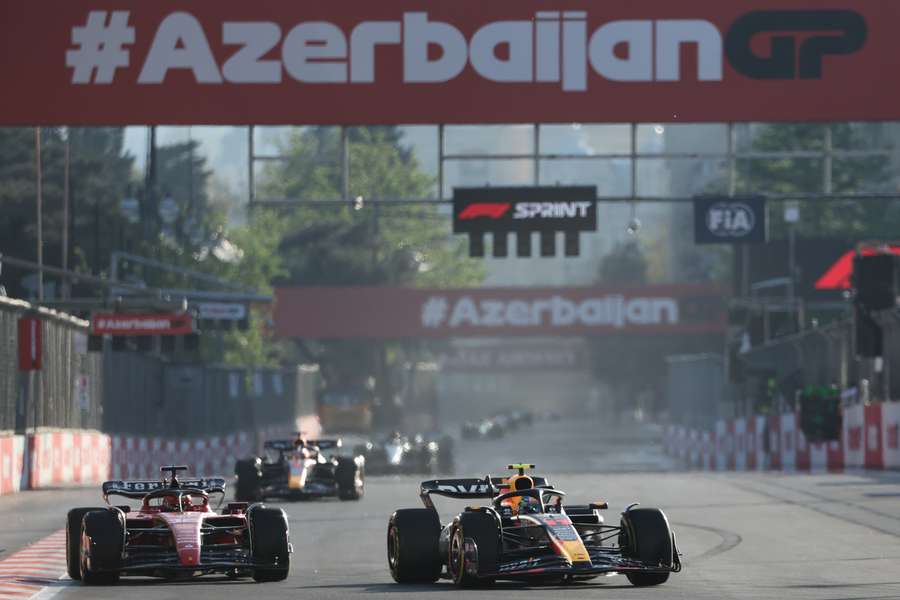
350,478
102,538
73,540
269,542
647,537
466,566
412,545
248,487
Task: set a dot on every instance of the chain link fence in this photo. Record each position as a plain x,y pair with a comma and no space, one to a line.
67,392
139,394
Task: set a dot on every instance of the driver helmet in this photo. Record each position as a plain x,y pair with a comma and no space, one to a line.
170,502
186,502
516,483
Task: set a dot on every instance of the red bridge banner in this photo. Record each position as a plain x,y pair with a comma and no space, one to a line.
109,62
394,313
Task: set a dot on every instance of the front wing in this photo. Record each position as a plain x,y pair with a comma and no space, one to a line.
602,562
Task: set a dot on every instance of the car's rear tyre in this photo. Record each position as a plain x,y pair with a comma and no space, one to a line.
269,542
248,485
647,537
412,545
100,548
350,478
73,540
482,528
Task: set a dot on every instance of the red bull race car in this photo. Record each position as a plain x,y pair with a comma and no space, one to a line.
300,469
175,533
526,533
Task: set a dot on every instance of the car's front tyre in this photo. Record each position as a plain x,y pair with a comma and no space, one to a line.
466,569
648,538
269,543
102,538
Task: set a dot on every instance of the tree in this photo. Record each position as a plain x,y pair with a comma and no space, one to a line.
625,263
100,176
634,365
867,174
408,245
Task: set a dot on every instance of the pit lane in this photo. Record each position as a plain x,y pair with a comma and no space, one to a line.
743,536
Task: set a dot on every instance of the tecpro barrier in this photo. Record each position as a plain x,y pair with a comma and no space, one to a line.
869,440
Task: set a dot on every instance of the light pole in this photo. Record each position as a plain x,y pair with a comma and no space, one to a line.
40,216
791,217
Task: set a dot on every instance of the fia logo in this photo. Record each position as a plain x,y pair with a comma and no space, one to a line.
730,219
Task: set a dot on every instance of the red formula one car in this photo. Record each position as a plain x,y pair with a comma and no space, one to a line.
175,533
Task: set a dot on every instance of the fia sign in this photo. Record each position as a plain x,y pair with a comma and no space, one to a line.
724,220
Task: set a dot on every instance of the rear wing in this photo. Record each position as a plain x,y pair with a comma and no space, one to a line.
326,444
465,489
139,489
279,444
289,445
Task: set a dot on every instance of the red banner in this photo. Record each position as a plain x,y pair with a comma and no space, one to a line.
141,324
30,342
106,62
392,313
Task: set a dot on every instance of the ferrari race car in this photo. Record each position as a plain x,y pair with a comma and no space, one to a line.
175,534
526,533
411,455
299,469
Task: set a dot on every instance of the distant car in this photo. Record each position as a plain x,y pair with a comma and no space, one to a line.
346,409
525,533
486,429
175,533
415,454
300,469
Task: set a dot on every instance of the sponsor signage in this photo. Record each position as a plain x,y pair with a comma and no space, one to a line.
126,324
541,357
524,210
729,220
30,344
394,313
221,311
84,62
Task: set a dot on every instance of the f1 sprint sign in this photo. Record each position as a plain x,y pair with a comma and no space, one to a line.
524,210
466,61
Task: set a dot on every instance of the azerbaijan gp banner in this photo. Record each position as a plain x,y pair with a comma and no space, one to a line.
110,62
396,313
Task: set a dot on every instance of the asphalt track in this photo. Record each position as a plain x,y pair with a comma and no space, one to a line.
753,536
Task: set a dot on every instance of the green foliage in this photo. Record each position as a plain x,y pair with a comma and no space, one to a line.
100,176
626,263
404,245
866,174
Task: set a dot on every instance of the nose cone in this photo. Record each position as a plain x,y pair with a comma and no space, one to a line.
186,532
189,555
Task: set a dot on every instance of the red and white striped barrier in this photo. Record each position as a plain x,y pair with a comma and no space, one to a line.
890,427
71,457
75,457
869,439
12,457
136,457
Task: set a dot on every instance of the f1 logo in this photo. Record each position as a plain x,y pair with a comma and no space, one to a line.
839,32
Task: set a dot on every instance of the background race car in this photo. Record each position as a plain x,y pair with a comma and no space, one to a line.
412,455
526,533
300,469
175,533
